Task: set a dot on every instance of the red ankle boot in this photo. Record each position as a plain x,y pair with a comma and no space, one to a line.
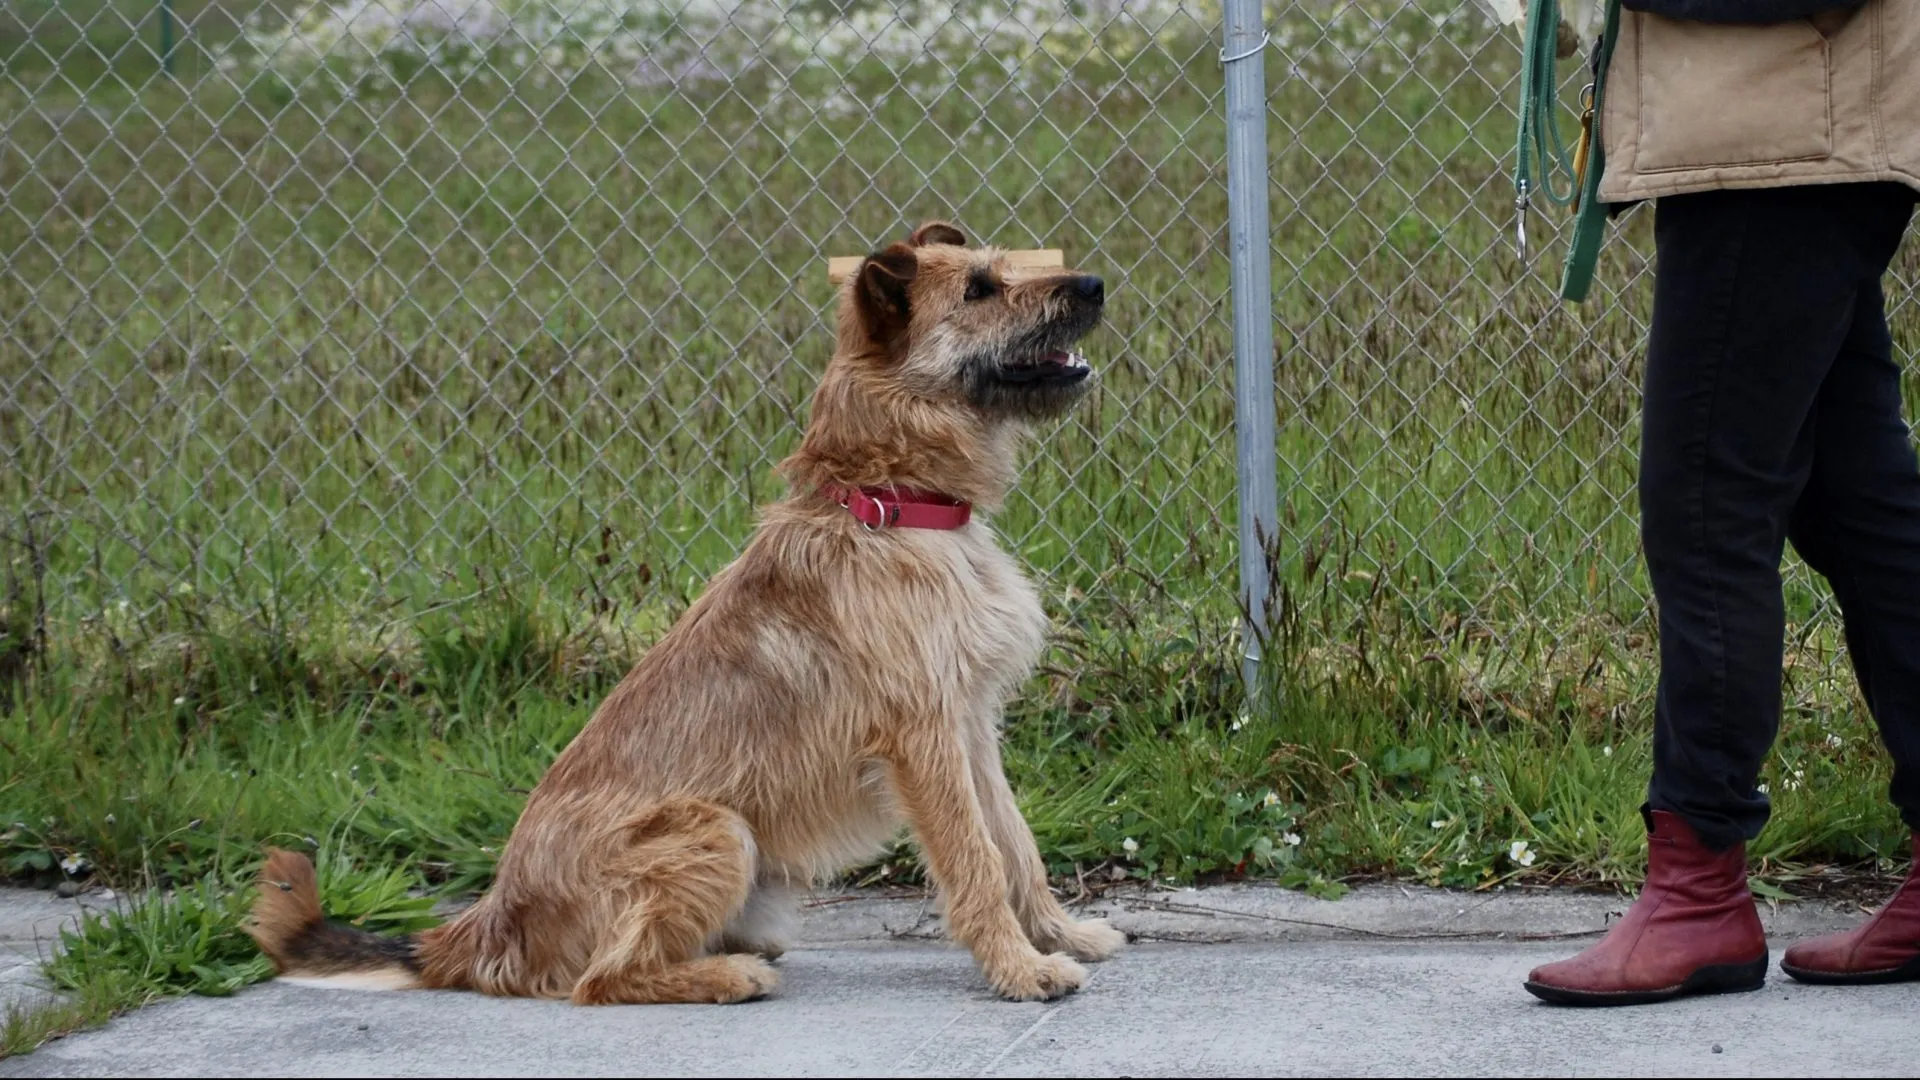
1884,949
1693,930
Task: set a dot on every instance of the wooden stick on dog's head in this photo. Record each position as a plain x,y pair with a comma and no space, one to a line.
839,267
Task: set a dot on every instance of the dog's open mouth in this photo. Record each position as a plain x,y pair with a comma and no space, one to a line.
1054,367
1038,374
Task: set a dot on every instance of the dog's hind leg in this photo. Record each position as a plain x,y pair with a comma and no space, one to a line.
1046,923
681,869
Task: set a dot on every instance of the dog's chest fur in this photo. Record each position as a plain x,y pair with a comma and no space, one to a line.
936,628
989,629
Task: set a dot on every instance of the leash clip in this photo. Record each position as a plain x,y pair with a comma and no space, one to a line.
1520,205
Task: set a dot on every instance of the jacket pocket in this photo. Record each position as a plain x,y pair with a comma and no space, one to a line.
1731,95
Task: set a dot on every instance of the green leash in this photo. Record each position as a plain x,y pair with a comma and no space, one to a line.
1541,142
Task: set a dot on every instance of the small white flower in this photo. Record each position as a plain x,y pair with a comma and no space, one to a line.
1130,846
180,701
1439,823
1520,853
1238,723
1270,800
73,864
1291,839
1606,751
1834,741
1763,789
109,819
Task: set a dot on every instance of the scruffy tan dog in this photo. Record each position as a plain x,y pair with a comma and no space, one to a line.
848,669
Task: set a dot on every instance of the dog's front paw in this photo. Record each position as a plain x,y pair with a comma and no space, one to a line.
1043,979
1092,940
751,978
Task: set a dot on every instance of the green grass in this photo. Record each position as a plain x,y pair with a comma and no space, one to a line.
1137,731
168,943
1134,759
354,448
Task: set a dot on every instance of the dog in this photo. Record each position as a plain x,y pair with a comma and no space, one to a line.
847,671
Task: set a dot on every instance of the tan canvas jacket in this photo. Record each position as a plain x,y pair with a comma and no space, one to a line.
1695,107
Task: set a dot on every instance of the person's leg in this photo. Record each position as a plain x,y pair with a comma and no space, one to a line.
1858,524
1754,294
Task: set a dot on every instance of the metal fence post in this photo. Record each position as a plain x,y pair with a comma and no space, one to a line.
1243,53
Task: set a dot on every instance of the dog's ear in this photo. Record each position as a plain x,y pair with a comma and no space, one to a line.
882,291
938,232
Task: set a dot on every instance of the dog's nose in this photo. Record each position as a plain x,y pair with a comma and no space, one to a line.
1090,288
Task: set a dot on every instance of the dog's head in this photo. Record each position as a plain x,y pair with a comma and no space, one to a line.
952,323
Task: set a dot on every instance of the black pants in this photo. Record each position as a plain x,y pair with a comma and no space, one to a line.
1773,414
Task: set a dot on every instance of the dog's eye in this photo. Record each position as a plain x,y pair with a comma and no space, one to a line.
980,286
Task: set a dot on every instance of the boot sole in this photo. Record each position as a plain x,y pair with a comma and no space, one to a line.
1907,972
1712,979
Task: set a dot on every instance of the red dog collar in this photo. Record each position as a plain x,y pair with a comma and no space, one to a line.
900,508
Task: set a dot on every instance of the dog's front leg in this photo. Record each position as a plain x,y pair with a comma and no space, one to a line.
1046,923
931,774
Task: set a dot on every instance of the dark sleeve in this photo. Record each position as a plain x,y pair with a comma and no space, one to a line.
1738,11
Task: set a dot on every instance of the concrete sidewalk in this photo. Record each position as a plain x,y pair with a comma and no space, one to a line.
1230,981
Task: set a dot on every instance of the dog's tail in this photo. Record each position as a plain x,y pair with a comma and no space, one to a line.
306,947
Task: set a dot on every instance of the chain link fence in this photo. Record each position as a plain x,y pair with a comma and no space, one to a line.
365,306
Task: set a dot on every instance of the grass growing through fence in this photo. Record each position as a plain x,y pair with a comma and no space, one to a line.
1135,754
356,446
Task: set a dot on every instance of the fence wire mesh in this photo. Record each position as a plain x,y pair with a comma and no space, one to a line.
365,305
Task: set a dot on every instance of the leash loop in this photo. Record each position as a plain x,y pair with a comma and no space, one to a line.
1540,138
